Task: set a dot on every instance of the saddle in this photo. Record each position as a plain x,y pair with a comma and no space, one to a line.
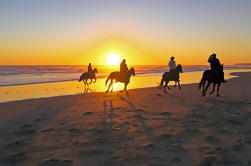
123,76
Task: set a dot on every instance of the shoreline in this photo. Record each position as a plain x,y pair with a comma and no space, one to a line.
104,76
31,91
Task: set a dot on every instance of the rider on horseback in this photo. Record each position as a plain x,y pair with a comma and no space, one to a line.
123,69
172,64
89,68
216,65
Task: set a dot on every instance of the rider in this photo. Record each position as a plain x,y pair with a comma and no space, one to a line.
172,64
123,68
89,68
216,65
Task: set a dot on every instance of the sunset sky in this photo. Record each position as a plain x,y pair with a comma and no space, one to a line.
73,32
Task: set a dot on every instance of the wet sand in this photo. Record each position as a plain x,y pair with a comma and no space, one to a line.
21,92
144,127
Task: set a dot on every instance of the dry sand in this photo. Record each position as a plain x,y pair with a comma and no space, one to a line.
145,127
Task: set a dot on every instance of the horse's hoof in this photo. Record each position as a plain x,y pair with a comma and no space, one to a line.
218,95
179,88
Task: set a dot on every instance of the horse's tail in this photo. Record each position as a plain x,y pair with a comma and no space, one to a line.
202,79
162,81
107,80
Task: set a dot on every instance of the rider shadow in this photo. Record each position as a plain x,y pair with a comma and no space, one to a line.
108,114
128,101
140,116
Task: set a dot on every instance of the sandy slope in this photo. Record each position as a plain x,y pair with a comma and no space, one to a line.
145,127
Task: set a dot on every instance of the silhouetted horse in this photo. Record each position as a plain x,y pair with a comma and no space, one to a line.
85,76
118,78
211,76
171,76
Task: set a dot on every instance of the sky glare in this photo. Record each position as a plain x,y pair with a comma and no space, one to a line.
48,32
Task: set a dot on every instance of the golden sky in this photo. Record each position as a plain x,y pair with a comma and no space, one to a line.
143,32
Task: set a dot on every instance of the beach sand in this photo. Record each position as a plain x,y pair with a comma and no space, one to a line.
143,127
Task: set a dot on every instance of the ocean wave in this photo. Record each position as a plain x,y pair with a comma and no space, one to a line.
19,75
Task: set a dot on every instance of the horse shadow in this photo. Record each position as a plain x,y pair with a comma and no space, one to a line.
87,89
108,113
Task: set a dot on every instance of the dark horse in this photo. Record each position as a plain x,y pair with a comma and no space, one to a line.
171,76
211,76
118,78
85,76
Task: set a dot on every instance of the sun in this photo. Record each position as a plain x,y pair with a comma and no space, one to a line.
113,59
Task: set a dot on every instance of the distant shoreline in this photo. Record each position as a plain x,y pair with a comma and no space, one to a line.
102,77
45,90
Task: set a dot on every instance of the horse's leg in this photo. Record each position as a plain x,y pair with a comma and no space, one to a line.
208,84
109,87
165,87
218,88
178,84
213,89
86,82
95,80
91,81
175,84
203,89
125,88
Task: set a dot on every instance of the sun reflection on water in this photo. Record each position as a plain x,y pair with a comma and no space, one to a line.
20,92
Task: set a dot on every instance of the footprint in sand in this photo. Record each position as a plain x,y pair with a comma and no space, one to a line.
86,114
54,162
38,119
25,132
13,158
26,125
92,152
46,130
74,130
17,144
212,140
165,113
208,160
176,159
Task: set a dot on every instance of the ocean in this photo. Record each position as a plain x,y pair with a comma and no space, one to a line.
22,75
29,82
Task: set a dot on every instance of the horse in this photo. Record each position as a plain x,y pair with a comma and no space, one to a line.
171,76
118,78
85,76
211,76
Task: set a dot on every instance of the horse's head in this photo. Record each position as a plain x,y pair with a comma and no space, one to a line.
179,68
132,71
95,70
